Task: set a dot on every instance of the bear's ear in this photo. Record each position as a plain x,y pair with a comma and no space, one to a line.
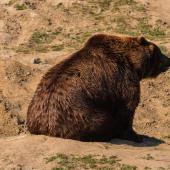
142,40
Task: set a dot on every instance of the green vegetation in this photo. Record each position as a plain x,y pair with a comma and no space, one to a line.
88,160
119,16
81,37
20,7
112,160
140,8
128,167
142,28
150,31
57,47
71,162
125,2
161,168
41,37
39,41
104,4
167,137
11,2
148,157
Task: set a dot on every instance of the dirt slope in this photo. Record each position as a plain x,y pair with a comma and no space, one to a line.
36,34
40,152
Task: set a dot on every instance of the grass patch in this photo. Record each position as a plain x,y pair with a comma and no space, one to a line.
121,16
41,49
150,31
98,6
44,37
79,37
40,37
29,48
69,162
11,2
39,41
125,2
72,162
57,47
20,7
75,40
88,161
148,157
83,36
23,49
141,8
128,23
123,26
52,158
167,137
111,160
161,168
128,167
99,17
104,4
143,27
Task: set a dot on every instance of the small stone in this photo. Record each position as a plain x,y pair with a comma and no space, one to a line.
37,61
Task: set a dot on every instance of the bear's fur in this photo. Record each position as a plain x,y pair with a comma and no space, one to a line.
93,94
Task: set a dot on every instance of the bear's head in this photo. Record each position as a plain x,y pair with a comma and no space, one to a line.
146,58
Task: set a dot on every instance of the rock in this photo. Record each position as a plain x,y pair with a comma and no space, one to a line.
37,61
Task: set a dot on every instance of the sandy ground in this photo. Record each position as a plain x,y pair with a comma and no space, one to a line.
29,152
47,31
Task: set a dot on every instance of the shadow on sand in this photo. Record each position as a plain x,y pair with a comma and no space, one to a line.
147,142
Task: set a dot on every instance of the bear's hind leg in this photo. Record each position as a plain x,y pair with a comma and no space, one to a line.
100,127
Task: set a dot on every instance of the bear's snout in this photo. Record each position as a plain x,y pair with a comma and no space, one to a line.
168,62
165,63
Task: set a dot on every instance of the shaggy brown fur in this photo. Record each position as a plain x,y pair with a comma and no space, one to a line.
93,94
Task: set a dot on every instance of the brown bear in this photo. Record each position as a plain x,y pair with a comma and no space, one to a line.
92,95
